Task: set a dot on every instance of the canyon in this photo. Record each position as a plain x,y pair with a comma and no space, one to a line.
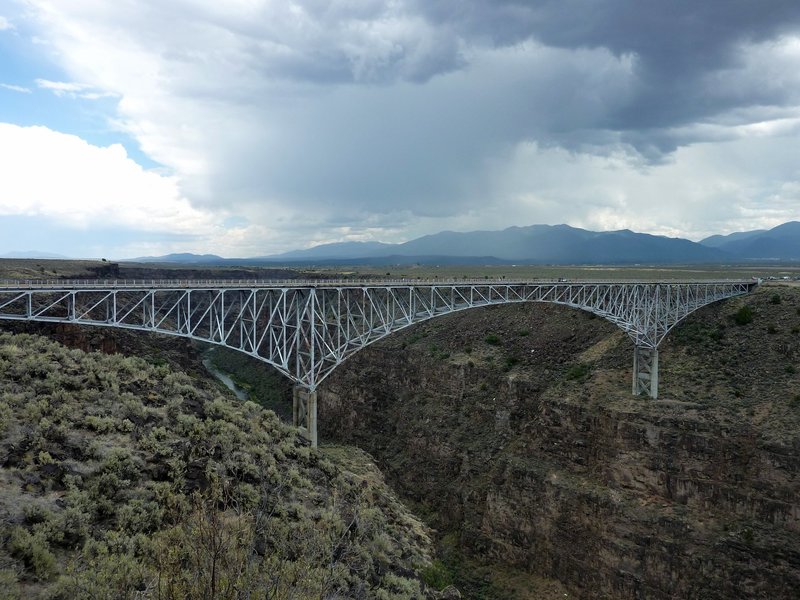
512,431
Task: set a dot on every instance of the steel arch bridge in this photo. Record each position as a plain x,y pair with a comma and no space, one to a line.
306,329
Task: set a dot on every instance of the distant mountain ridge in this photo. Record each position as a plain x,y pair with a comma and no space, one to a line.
717,241
535,244
532,244
183,257
779,243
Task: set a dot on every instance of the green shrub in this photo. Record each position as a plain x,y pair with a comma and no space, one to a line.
68,528
771,329
34,552
100,424
743,316
5,416
96,572
10,585
492,339
790,369
437,575
122,463
140,516
35,513
578,372
717,334
775,299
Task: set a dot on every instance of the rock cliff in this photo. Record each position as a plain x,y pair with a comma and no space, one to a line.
513,429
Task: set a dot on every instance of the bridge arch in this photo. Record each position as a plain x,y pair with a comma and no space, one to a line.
306,329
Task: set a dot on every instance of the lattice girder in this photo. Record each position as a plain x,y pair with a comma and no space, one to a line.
307,329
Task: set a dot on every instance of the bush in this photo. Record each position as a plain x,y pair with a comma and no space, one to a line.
34,552
140,516
97,573
492,339
437,575
10,585
743,316
578,372
775,299
36,513
69,528
5,416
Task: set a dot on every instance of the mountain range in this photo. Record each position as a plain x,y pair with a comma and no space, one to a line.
536,244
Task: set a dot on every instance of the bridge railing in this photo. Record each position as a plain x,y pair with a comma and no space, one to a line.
337,282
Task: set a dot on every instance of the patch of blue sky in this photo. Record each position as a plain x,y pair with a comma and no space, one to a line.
22,63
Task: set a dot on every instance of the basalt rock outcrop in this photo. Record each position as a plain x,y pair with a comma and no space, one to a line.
513,428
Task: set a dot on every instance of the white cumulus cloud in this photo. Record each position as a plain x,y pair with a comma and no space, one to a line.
51,174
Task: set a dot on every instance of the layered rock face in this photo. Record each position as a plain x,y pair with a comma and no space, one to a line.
514,427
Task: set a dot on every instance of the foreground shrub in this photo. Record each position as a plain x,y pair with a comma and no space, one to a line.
743,316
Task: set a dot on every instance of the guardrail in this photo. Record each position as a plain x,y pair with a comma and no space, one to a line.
305,283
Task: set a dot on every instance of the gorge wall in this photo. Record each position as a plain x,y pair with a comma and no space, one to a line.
513,428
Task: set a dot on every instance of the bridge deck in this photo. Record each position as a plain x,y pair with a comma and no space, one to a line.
66,284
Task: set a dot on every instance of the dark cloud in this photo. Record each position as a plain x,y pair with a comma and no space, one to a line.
378,148
678,46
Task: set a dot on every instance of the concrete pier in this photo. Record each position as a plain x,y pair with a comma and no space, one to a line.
304,412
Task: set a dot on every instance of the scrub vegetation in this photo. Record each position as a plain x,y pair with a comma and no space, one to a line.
129,480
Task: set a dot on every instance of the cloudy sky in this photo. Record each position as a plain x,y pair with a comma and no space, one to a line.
250,127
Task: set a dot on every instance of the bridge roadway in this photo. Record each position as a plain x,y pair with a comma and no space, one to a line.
306,328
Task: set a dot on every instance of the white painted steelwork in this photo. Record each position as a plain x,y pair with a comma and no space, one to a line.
306,329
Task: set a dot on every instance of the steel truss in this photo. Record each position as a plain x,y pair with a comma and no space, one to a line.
307,329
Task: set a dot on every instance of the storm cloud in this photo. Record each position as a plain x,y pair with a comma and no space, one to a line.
319,121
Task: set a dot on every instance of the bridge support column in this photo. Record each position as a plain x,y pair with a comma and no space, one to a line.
645,371
304,412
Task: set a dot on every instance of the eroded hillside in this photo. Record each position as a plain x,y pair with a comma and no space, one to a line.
513,432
